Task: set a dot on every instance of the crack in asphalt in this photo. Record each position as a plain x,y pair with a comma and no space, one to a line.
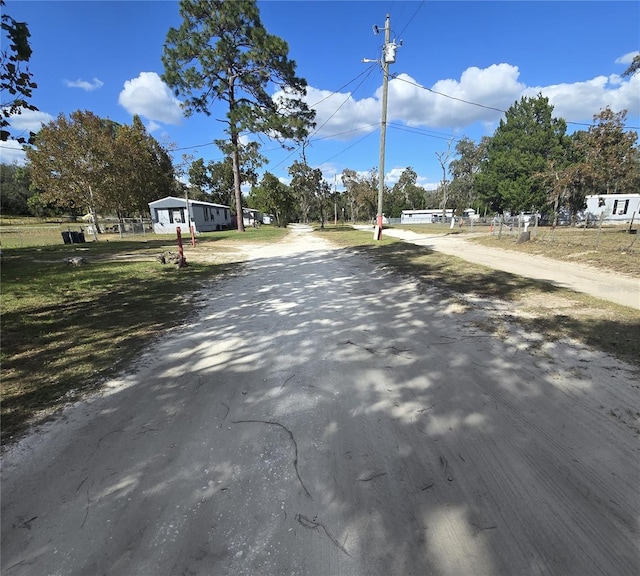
314,525
295,445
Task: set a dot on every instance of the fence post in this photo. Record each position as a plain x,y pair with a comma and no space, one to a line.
181,259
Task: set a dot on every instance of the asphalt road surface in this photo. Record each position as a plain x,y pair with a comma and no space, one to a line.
324,417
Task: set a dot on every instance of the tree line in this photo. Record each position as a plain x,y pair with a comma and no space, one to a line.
86,163
530,163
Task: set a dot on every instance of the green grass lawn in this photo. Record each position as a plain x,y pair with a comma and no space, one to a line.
65,328
611,248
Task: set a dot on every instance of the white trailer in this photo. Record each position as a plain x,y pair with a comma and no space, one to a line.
170,213
617,208
424,216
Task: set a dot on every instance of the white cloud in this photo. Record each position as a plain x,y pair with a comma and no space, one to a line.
20,125
11,152
627,58
84,84
392,176
426,183
339,116
29,120
153,126
580,101
148,96
495,88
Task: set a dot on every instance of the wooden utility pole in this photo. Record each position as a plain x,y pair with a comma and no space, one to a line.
388,57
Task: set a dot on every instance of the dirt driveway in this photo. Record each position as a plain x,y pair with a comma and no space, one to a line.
601,284
324,417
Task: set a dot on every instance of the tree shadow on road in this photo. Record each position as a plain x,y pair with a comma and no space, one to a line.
322,416
436,268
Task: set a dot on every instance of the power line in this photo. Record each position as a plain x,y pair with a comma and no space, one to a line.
395,77
411,19
345,149
358,129
420,132
194,146
344,86
367,71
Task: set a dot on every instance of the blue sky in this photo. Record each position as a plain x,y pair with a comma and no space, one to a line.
106,57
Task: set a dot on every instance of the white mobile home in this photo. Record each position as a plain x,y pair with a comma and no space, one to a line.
251,217
617,208
170,213
423,216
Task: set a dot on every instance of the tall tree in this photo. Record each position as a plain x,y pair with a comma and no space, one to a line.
443,159
222,52
405,194
69,161
305,182
349,180
609,154
216,178
362,193
16,82
525,140
464,170
140,171
566,179
15,184
200,180
85,162
273,197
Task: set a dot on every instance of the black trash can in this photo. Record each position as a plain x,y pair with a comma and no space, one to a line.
66,237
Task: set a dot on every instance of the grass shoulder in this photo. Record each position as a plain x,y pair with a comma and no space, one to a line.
611,248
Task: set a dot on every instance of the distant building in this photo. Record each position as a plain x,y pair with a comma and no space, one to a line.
617,208
170,213
251,217
424,216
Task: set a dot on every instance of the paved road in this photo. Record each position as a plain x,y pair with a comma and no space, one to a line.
324,418
601,284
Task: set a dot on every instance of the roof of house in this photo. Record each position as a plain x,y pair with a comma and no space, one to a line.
181,202
614,196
